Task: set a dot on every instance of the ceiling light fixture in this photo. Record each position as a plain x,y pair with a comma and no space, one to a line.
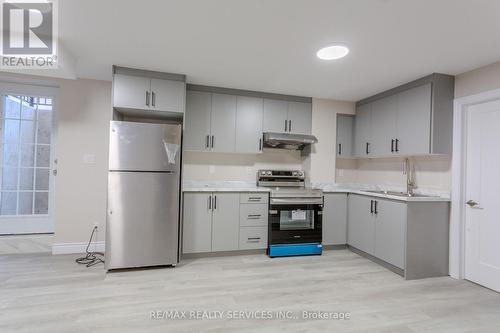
332,52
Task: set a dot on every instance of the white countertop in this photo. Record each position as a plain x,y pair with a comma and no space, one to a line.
239,186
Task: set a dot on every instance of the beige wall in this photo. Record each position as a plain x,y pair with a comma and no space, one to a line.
478,80
321,162
81,189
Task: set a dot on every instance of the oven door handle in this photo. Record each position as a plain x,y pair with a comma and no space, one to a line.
297,201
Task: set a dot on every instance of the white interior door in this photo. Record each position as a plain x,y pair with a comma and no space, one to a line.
482,237
26,164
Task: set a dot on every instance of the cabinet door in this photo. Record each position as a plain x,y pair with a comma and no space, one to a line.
131,92
249,114
362,130
299,118
223,123
197,223
225,225
167,95
390,232
197,121
335,219
275,115
414,121
345,137
361,224
383,128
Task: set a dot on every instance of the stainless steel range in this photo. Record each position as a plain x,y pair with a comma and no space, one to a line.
295,213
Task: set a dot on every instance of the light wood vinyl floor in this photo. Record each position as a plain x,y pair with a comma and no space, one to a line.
44,293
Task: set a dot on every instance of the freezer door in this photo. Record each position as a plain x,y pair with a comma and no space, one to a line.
144,147
143,219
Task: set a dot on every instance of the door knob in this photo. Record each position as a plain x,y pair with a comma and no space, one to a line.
472,203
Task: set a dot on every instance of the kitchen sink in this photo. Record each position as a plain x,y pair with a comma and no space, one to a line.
401,194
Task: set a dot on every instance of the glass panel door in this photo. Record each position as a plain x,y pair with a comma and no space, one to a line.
297,219
25,164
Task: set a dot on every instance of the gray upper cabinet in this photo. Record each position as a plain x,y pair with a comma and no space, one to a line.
275,116
131,91
223,123
413,119
362,130
197,121
384,115
345,135
361,224
197,223
225,226
335,219
414,125
167,95
299,118
390,223
141,92
249,117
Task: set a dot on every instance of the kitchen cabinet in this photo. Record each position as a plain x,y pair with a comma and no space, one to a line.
225,225
390,221
362,130
361,223
413,119
249,117
299,118
345,135
210,222
335,219
197,121
253,238
287,117
134,90
197,223
223,123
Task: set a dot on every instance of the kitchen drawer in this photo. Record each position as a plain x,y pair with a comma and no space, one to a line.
253,215
253,238
254,198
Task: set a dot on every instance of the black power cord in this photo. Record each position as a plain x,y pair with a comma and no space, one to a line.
91,258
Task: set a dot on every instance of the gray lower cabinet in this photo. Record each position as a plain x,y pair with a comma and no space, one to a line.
390,222
225,225
253,238
345,135
210,222
361,223
197,223
197,121
249,117
334,219
223,123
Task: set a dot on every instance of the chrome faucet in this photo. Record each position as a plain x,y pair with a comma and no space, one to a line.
409,171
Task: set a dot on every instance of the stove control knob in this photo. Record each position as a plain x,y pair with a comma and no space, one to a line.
301,174
269,173
295,173
263,173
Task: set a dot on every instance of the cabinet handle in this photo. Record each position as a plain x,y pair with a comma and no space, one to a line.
397,145
213,140
254,217
260,144
371,206
255,239
367,148
286,127
376,207
153,98
209,202
340,149
392,146
147,98
254,198
215,202
207,141
289,126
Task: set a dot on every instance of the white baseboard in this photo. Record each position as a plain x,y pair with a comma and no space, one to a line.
73,248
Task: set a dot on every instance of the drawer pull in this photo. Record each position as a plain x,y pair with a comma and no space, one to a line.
254,239
254,199
254,216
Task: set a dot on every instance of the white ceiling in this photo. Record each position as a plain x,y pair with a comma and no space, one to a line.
270,45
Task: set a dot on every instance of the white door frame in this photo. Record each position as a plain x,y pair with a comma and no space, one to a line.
458,172
34,89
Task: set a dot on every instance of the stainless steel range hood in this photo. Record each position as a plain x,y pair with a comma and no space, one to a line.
288,140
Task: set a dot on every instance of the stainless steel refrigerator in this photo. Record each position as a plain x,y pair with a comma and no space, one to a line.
143,195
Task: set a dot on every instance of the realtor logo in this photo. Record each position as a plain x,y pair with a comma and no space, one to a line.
28,34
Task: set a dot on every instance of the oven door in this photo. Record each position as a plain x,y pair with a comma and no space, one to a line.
293,221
